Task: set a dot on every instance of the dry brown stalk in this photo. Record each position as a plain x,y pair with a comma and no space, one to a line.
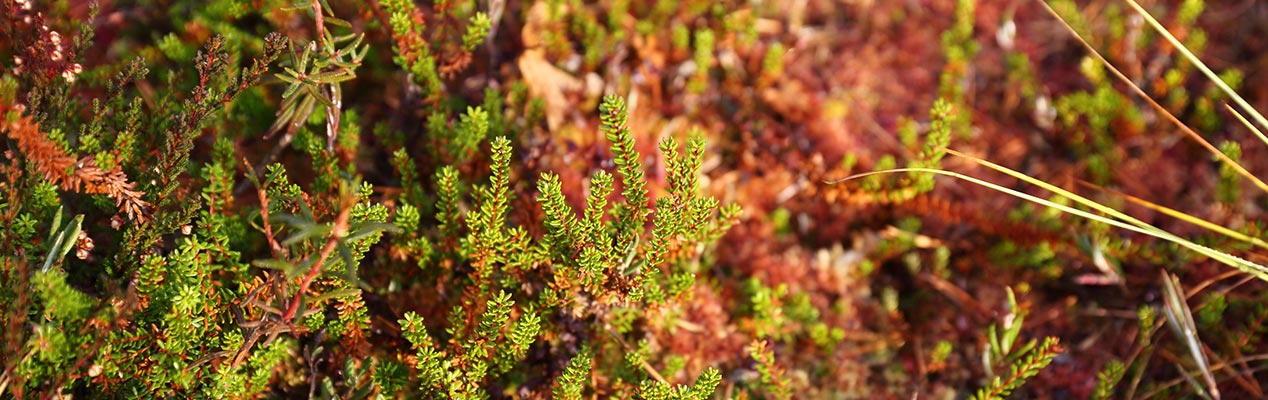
82,176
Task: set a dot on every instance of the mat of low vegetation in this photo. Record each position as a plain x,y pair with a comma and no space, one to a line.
632,199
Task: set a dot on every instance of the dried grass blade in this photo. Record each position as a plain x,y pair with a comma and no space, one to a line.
1158,107
1121,219
1162,30
1249,125
1117,219
1180,215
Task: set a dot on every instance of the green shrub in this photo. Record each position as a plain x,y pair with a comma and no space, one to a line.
139,262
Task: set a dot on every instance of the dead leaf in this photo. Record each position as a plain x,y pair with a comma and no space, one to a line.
544,79
549,83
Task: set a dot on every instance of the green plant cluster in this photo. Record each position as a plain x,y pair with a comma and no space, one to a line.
148,300
599,264
148,255
434,45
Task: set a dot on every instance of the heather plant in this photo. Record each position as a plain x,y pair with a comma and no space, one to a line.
593,265
155,281
429,61
158,300
960,50
180,285
493,199
1024,359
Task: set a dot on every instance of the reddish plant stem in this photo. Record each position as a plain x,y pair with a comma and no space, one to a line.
321,23
338,232
278,251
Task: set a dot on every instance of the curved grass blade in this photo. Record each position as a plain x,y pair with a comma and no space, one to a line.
1158,107
1162,30
1117,219
1258,133
1180,215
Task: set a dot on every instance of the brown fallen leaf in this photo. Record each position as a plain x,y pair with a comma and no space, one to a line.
544,79
549,83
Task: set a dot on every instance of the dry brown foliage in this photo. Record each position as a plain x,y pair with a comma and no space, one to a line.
81,176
